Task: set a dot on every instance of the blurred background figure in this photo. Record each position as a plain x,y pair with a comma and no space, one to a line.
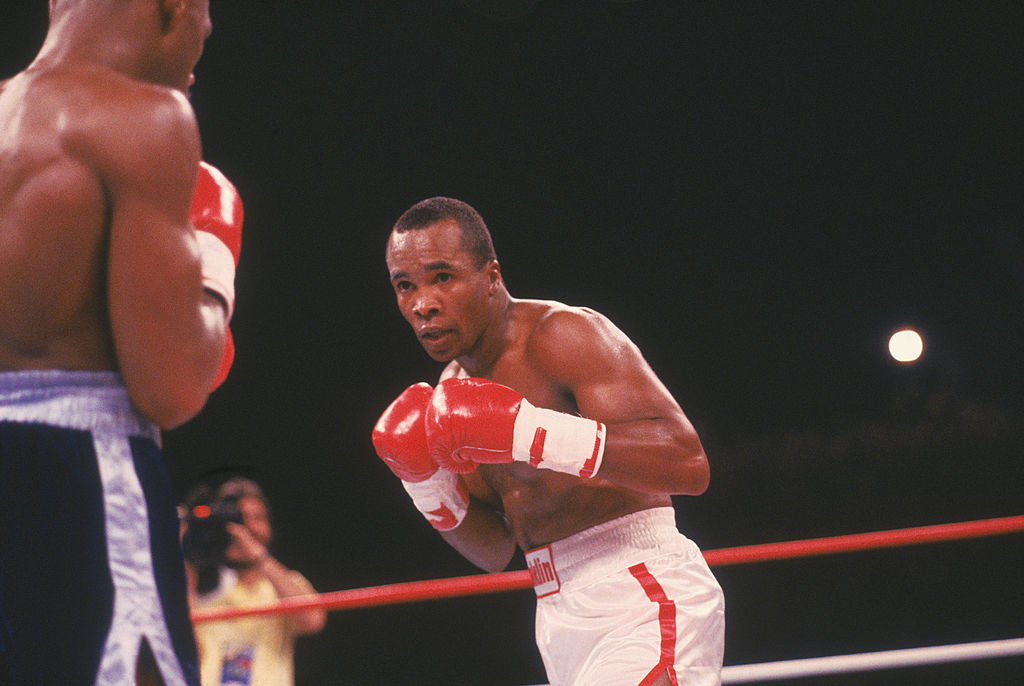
226,536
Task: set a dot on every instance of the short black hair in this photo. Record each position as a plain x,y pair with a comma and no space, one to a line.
476,238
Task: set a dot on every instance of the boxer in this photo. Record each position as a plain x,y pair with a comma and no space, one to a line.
548,431
114,319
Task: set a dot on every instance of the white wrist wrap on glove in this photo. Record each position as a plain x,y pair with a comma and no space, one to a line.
218,267
562,442
442,499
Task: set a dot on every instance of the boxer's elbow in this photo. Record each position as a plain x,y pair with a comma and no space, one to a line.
491,558
691,473
492,566
179,415
490,548
170,387
165,396
698,476
500,559
677,466
171,408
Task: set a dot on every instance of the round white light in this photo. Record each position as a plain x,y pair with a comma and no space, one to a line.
906,346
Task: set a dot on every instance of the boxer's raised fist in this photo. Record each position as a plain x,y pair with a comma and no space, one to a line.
216,213
476,421
470,422
400,438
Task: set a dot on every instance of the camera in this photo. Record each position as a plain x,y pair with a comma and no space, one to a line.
207,538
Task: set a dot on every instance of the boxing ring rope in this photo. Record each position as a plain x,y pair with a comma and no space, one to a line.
477,584
870,662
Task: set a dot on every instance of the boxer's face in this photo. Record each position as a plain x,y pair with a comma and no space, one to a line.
440,290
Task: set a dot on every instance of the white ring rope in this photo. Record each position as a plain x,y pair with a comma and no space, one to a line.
870,662
863,662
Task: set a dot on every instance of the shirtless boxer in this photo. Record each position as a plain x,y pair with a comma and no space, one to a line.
113,325
549,431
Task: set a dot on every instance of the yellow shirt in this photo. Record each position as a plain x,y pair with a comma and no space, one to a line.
248,651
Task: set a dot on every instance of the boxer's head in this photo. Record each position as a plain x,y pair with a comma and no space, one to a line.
446,279
475,236
159,41
185,26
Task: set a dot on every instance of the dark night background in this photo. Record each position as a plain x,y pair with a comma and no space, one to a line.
757,193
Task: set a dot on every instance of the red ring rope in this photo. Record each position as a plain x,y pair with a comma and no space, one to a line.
854,542
413,591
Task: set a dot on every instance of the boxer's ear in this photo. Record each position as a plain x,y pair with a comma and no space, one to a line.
169,11
494,275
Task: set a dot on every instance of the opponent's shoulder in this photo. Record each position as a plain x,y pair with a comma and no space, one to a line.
97,94
119,121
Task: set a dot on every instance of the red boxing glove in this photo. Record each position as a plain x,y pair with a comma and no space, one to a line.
400,439
476,421
470,422
216,213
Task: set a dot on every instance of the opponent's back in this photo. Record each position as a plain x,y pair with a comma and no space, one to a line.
53,227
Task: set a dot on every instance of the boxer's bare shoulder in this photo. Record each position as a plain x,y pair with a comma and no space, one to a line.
74,137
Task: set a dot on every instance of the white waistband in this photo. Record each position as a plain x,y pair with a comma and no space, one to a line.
618,542
87,401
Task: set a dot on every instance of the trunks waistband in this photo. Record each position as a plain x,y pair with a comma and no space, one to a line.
87,401
618,542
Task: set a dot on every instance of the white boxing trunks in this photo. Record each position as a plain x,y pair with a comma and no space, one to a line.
90,559
626,601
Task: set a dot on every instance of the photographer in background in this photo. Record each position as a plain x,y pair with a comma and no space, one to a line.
226,534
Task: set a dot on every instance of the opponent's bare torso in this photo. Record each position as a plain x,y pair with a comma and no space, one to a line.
53,219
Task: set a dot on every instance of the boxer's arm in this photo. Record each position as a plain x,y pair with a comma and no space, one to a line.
484,537
168,332
650,445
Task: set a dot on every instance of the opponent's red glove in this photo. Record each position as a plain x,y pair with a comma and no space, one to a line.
216,214
400,439
476,421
